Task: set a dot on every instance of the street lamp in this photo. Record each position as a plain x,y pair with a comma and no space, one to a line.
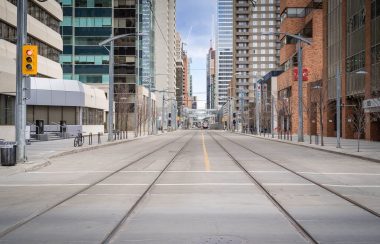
338,103
111,40
299,39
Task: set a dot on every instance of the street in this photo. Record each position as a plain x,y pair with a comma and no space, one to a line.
194,186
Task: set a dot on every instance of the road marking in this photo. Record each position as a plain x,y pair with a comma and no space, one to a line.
115,194
353,186
207,184
123,184
268,171
342,173
70,172
205,154
43,185
288,184
89,172
202,171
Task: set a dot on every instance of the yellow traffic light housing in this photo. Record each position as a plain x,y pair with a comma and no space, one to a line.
29,59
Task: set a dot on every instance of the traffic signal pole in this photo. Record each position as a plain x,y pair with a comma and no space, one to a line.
20,118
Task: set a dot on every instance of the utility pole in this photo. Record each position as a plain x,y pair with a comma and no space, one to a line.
272,116
300,91
20,120
150,107
229,113
338,107
241,109
163,111
257,108
110,92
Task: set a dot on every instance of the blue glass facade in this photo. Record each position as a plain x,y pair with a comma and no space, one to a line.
85,24
224,46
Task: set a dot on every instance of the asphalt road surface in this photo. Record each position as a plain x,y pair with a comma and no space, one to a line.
195,186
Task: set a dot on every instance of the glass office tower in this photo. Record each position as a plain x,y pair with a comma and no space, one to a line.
85,24
224,57
88,22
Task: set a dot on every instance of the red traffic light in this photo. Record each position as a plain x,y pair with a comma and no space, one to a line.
29,52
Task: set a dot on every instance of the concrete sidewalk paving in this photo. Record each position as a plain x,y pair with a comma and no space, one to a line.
369,150
40,153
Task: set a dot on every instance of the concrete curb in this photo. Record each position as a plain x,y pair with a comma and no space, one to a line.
312,147
32,166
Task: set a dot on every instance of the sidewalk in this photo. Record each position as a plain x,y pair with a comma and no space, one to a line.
40,153
369,150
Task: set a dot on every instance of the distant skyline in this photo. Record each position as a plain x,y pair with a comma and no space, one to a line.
195,24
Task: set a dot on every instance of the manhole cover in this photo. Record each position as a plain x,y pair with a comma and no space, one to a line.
217,240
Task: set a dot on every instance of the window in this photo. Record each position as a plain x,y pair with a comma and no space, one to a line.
293,13
355,62
8,33
7,109
41,14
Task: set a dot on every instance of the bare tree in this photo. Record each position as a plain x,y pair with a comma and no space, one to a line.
285,113
309,109
121,107
357,117
265,116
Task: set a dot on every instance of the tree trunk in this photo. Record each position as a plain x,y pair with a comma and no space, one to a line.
358,141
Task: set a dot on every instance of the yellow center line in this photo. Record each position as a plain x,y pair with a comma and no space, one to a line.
205,154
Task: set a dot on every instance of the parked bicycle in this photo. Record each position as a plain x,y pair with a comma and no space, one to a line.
79,140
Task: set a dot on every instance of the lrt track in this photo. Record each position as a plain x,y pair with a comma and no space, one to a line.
302,231
355,203
111,234
44,211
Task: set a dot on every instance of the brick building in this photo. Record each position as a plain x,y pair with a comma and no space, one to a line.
353,46
303,17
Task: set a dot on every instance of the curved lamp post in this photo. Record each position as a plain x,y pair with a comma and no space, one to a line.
299,39
111,77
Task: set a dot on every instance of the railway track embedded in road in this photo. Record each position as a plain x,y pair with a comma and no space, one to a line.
355,203
308,237
49,208
110,235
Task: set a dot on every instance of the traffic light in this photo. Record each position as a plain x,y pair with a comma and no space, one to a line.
29,59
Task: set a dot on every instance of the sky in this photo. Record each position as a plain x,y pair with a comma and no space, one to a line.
194,23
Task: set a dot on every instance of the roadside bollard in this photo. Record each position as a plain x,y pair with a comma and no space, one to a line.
99,140
114,135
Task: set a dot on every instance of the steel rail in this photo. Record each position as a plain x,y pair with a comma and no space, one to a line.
302,231
357,204
30,218
111,234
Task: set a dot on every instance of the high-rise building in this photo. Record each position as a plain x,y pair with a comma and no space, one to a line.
224,57
255,54
352,47
186,80
179,73
87,23
165,56
210,72
43,31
